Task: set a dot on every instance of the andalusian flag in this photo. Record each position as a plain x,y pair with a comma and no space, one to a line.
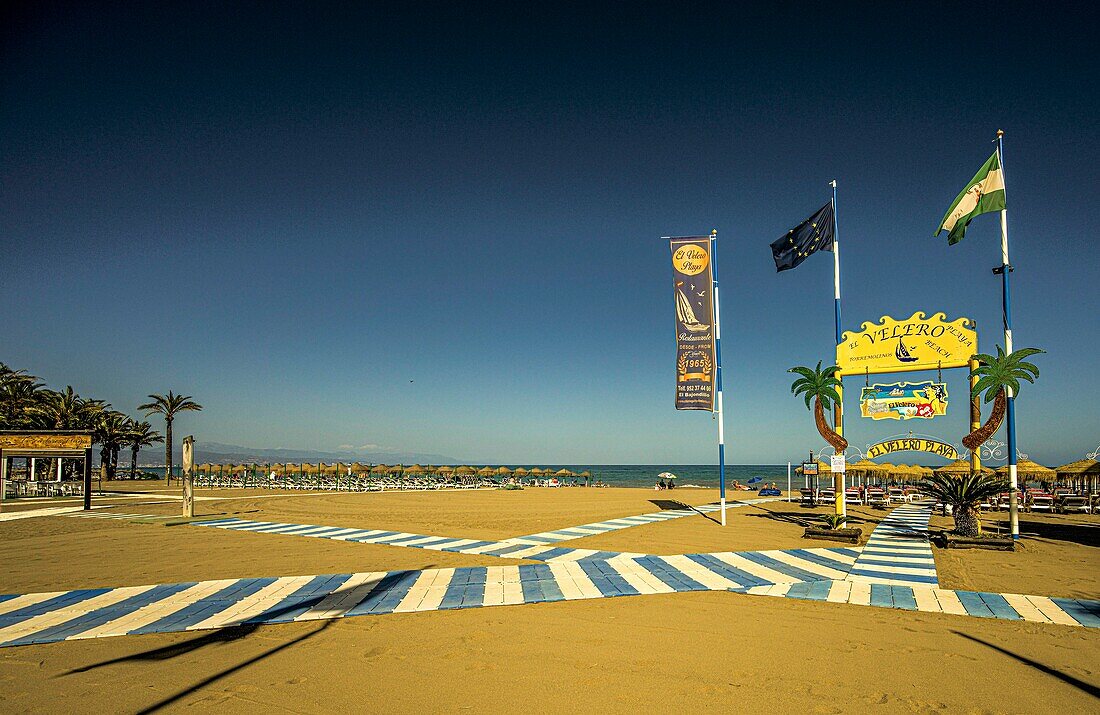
984,193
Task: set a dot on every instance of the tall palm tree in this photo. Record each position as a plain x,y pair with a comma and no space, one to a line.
820,386
169,405
141,434
110,430
995,375
964,493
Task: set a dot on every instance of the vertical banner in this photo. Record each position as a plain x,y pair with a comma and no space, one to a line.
693,286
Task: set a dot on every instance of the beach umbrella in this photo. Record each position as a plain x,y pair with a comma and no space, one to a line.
395,469
564,473
755,480
291,468
465,471
536,472
521,472
587,475
958,468
504,471
1031,470
415,469
485,472
666,475
446,469
379,469
1080,472
358,468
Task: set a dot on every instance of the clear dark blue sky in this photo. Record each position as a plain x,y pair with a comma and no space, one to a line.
292,211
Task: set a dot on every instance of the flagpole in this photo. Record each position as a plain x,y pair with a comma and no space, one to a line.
1006,307
838,412
718,375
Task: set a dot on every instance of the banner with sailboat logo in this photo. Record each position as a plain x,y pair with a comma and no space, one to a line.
693,285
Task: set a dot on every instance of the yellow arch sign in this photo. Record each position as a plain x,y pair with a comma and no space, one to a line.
912,444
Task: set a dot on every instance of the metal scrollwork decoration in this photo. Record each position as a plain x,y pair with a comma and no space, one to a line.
1094,454
993,449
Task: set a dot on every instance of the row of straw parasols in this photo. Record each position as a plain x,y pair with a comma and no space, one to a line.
1085,471
356,468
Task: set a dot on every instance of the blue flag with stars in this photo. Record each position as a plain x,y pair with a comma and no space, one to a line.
813,234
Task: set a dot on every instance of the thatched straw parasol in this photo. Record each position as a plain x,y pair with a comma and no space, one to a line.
446,469
464,471
865,468
1082,467
1080,473
486,472
379,469
958,468
310,469
415,469
521,472
536,472
564,473
395,469
1031,470
358,468
504,471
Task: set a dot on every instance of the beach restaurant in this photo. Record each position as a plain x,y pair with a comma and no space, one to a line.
55,447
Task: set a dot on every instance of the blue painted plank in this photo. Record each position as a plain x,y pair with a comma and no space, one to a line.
903,597
552,553
909,578
1078,612
798,590
880,596
974,604
841,566
819,590
669,575
1000,608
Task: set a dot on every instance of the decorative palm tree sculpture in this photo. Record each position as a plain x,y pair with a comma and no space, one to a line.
821,387
995,375
963,494
169,405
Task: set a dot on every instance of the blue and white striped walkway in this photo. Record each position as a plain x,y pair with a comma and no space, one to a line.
97,613
600,527
898,552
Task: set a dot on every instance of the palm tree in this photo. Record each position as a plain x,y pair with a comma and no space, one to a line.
963,494
821,387
169,405
996,375
141,435
110,431
19,392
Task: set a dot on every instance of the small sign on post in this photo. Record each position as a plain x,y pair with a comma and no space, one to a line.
188,476
836,461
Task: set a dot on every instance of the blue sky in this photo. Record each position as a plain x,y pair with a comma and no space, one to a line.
437,229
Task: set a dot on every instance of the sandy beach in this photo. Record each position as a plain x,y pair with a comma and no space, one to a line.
708,651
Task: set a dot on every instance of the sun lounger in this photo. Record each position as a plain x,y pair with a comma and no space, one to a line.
1041,502
1073,503
896,495
807,498
877,498
852,496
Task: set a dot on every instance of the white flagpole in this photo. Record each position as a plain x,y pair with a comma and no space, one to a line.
718,375
1010,427
841,507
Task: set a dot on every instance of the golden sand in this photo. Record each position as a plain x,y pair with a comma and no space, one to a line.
686,652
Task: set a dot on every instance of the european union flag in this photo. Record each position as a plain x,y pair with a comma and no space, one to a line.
813,234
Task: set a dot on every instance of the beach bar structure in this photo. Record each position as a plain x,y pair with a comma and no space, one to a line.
34,445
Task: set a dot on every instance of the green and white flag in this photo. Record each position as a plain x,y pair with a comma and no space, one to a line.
984,193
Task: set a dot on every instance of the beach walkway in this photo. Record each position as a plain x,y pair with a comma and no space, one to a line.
894,570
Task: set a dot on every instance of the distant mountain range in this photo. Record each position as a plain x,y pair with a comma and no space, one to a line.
218,453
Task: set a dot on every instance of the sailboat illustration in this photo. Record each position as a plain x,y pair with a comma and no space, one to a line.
686,315
903,354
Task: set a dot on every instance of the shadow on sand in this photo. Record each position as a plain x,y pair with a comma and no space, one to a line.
1068,679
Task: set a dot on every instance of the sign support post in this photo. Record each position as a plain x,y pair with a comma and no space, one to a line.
838,408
